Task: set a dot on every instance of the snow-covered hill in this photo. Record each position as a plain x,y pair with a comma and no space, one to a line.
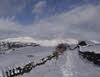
52,42
68,64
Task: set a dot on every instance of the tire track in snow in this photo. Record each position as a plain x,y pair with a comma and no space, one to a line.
67,68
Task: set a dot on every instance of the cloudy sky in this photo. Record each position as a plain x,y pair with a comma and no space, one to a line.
49,19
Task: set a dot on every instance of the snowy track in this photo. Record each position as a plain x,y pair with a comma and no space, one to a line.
69,64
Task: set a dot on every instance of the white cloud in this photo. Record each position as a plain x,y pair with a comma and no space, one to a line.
81,23
77,22
39,8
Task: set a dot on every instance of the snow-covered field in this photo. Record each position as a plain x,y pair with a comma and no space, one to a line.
69,64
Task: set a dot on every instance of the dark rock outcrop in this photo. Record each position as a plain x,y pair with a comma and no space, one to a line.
91,56
82,43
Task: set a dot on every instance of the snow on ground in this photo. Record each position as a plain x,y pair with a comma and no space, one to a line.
70,64
75,66
94,48
21,55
